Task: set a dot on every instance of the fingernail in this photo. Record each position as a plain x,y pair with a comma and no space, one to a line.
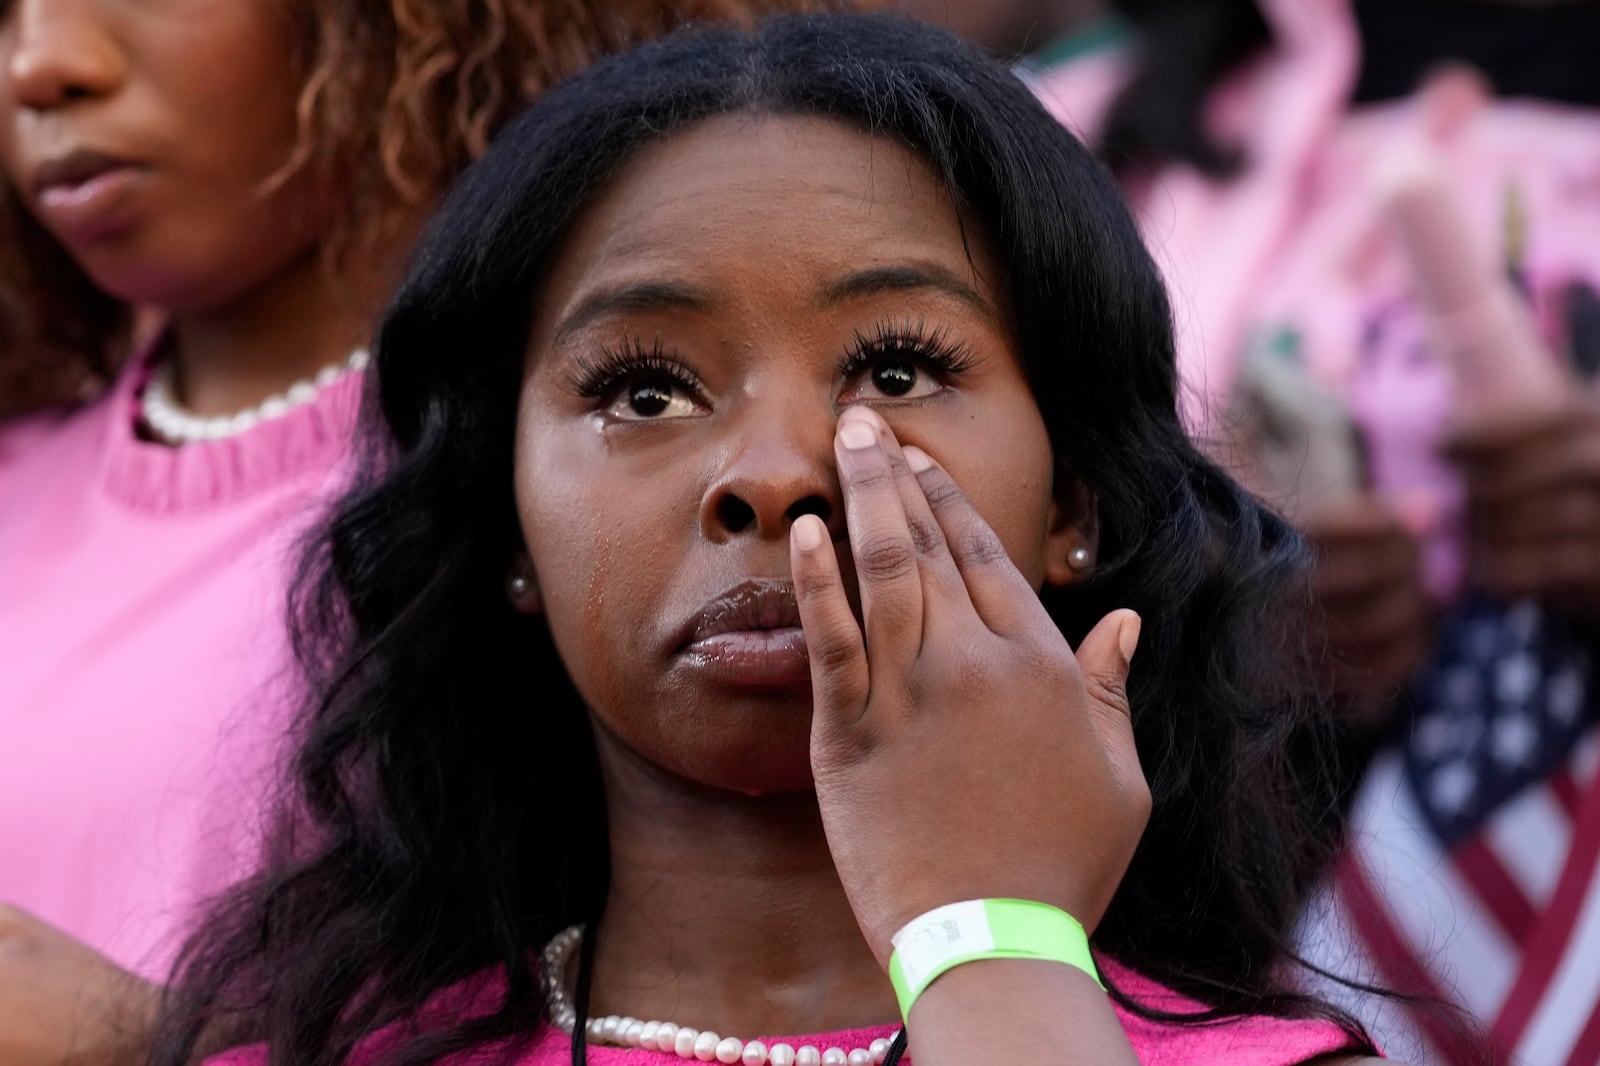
917,459
856,434
807,533
1128,636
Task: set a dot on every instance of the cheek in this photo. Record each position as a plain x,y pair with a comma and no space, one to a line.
603,546
237,112
1004,467
567,530
247,86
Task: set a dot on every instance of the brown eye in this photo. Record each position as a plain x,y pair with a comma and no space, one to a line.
894,378
649,400
893,362
636,383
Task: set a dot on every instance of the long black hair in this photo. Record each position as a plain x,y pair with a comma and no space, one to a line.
447,815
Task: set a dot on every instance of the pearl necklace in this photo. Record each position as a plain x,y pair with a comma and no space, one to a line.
173,423
681,1040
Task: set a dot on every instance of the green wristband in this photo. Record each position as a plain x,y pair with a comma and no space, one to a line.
976,929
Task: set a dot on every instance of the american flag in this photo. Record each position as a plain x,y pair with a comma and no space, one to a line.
1472,873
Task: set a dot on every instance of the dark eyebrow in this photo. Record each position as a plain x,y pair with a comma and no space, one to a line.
902,279
640,296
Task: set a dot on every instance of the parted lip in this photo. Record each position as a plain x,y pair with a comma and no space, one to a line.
752,604
75,168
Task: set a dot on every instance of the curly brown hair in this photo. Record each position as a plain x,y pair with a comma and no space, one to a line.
440,76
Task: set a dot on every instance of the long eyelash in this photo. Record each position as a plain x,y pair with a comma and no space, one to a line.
596,377
934,348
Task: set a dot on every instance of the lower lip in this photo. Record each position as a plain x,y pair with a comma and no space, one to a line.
766,658
92,209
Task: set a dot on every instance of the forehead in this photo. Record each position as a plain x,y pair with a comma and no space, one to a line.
745,201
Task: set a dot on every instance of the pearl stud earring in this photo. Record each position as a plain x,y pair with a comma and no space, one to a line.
519,584
1078,558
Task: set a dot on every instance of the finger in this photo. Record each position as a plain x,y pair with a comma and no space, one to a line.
1537,517
1359,520
1003,598
880,539
1564,454
1495,435
1564,569
1505,481
1359,570
943,590
1104,658
840,681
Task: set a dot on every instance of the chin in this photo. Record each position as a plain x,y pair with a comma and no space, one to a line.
782,782
772,764
137,278
765,760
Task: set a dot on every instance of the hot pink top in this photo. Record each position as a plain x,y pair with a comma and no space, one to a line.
1251,1041
142,657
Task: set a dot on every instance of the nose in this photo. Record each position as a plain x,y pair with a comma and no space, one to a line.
59,52
779,466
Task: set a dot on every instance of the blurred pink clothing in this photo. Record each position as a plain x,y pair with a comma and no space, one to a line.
143,662
1296,237
1254,1041
1508,918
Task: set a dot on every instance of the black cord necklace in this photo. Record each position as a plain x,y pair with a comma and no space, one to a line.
580,1004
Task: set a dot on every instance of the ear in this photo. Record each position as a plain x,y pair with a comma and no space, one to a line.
522,585
1072,541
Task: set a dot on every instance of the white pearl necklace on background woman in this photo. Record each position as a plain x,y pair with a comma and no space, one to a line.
681,1040
173,423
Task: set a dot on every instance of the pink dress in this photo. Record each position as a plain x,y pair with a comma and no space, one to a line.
1244,1042
143,662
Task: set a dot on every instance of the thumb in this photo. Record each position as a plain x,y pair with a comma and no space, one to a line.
1104,657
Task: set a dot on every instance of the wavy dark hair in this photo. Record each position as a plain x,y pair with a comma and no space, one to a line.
448,815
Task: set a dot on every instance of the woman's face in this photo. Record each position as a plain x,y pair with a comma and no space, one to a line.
730,293
142,135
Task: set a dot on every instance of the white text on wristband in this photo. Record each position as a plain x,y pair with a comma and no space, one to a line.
976,929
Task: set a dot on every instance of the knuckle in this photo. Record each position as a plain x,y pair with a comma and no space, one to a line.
1048,664
981,546
970,670
833,653
885,557
925,536
942,493
1109,694
813,584
870,477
